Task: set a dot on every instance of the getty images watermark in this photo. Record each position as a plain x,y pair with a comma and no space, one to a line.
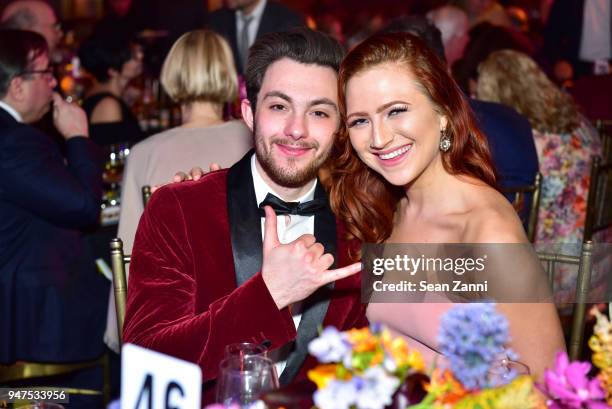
480,272
412,266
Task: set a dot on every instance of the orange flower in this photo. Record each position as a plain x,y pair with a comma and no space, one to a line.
448,389
362,339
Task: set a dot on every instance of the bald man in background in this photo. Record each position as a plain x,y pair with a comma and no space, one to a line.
38,16
453,25
33,15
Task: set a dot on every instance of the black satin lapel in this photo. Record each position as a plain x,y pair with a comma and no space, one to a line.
316,305
244,220
325,225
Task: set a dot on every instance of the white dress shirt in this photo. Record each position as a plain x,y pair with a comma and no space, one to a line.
289,228
11,111
595,40
256,14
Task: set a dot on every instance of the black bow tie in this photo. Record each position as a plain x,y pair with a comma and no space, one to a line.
281,207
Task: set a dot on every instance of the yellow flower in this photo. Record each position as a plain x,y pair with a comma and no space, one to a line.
519,394
601,344
398,349
322,374
415,360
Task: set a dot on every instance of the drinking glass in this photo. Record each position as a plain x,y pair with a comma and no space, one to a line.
242,379
245,349
505,370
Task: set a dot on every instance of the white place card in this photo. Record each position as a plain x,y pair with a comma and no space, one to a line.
152,380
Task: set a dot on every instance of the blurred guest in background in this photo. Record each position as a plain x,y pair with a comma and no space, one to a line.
199,74
40,17
241,22
579,34
565,140
51,297
490,11
113,62
33,15
453,25
484,39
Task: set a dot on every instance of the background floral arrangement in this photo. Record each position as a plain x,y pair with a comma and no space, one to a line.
370,369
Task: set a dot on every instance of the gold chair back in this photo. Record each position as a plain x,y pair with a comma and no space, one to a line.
518,201
604,126
146,194
584,262
118,262
599,201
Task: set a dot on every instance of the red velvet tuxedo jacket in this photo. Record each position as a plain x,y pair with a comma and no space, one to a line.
195,284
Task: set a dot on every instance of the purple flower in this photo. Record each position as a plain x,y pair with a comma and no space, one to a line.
569,387
473,338
336,395
330,346
375,388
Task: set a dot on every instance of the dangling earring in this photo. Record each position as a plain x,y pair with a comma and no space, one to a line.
445,141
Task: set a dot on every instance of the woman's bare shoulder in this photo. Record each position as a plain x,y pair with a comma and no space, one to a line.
107,110
492,219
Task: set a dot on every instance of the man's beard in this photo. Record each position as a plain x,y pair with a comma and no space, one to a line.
291,176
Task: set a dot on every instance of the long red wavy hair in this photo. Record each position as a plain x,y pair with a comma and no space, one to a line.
361,197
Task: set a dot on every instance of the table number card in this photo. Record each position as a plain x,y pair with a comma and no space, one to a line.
151,380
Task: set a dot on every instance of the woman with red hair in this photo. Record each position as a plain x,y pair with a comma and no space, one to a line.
412,166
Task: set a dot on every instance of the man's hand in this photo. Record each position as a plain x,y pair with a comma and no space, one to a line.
295,270
69,119
194,174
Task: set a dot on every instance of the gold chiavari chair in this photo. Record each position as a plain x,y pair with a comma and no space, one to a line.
518,201
119,260
584,262
599,201
604,126
146,194
24,371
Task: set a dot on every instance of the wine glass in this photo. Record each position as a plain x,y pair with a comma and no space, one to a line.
242,379
244,349
504,371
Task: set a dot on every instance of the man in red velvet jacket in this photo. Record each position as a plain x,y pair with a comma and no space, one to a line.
200,276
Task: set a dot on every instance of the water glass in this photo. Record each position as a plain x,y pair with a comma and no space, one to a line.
242,379
245,349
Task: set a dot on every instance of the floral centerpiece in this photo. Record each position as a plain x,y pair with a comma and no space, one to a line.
370,369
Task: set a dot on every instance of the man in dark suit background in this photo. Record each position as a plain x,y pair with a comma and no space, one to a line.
241,22
52,300
579,33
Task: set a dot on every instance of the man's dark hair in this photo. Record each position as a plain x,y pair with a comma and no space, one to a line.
99,54
420,27
22,19
18,49
301,45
